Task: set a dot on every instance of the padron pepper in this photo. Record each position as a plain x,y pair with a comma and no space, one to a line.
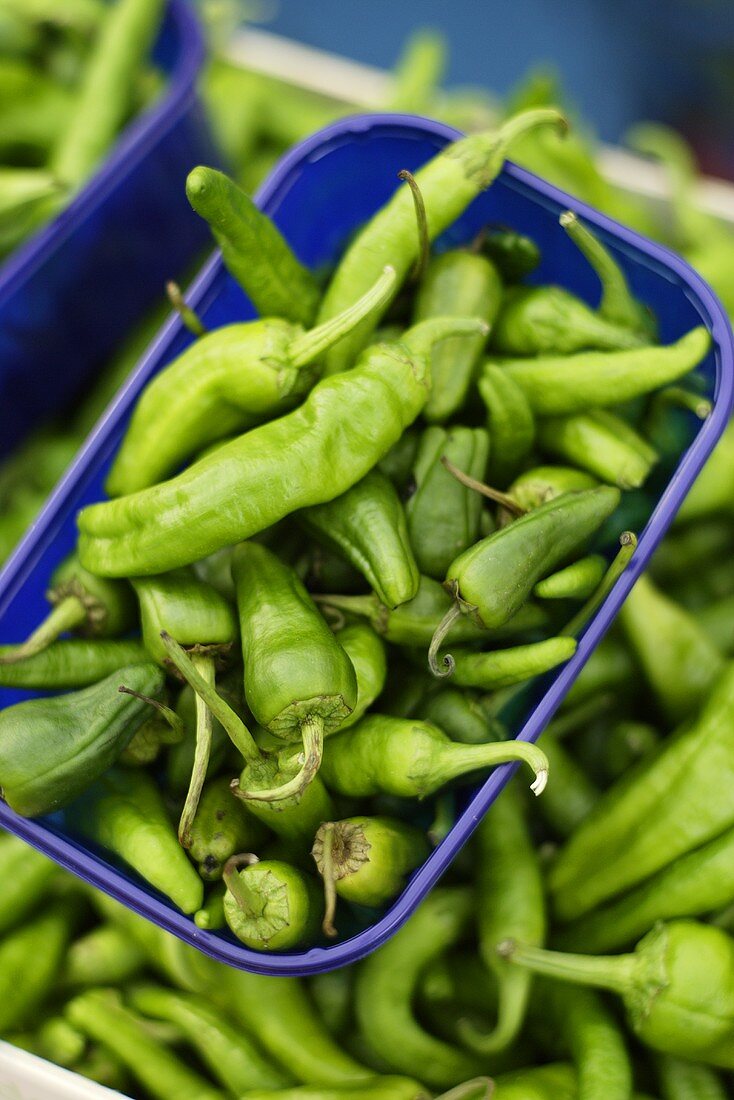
511,422
514,254
601,443
270,905
366,650
242,489
367,525
227,381
71,663
222,826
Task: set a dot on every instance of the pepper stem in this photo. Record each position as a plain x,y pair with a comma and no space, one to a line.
174,721
309,345
420,338
496,495
312,732
617,303
204,665
424,243
694,403
454,759
233,882
236,729
627,547
69,614
613,972
448,664
189,317
327,874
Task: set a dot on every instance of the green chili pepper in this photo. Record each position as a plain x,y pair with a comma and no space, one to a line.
25,875
515,255
560,386
211,914
365,860
30,959
221,827
681,1080
548,320
81,602
412,759
503,667
229,1055
228,496
543,483
385,1087
448,183
511,422
679,660
270,905
52,749
667,809
571,796
601,443
386,982
125,813
693,885
461,715
229,380
332,993
618,305
98,1014
510,903
668,418
485,580
367,525
465,284
552,1082
366,651
576,581
443,514
104,956
59,1042
103,100
668,1006
299,682
253,250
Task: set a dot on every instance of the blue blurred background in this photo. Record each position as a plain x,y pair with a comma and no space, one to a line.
620,60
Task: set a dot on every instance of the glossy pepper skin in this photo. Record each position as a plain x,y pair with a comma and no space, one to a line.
511,422
366,650
189,609
466,284
52,749
603,444
253,250
367,525
270,905
227,381
229,496
221,827
71,663
444,515
448,183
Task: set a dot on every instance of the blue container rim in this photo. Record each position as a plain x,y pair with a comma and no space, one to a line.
321,959
132,146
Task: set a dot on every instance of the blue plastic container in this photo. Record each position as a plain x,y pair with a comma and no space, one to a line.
71,293
318,195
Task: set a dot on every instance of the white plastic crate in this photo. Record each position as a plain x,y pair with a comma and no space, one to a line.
23,1076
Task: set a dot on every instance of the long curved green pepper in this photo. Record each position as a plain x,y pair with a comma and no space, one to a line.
229,1055
466,284
412,759
31,957
366,650
72,663
448,183
367,524
553,1082
643,823
561,385
270,905
125,812
444,515
486,582
617,566
99,1014
618,305
227,381
669,1007
89,605
228,496
574,582
548,320
299,681
104,956
511,422
51,749
510,903
681,1080
365,860
504,667
221,827
602,443
125,38
25,875
679,660
253,250
386,982
384,1087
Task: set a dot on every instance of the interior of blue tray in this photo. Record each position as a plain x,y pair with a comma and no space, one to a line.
318,203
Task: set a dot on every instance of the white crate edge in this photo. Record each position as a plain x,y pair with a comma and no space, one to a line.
23,1076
